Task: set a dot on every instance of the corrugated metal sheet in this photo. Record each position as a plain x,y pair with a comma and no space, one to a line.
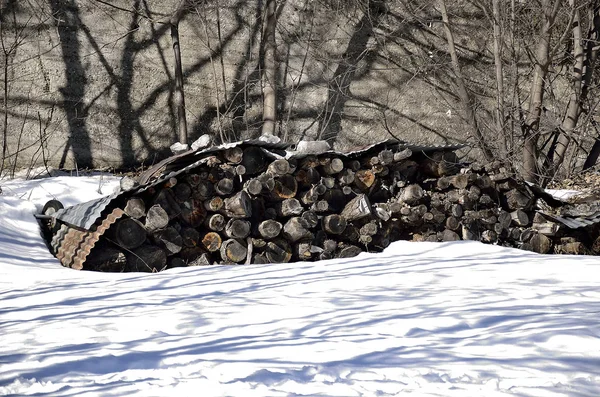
575,222
73,245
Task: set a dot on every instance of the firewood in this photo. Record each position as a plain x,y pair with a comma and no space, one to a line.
546,228
457,210
307,177
309,197
279,167
309,162
348,251
364,179
336,199
449,235
174,262
486,200
156,218
504,219
596,246
296,229
182,192
204,190
192,179
428,217
573,248
527,234
135,208
239,170
289,207
484,182
443,183
233,251
452,223
204,259
357,208
224,186
127,183
190,237
237,228
460,181
106,258
212,241
192,213
412,194
345,177
215,222
238,206
127,233
386,157
302,251
351,233
369,229
260,259
516,199
438,216
382,214
514,233
268,182
328,182
311,218
270,213
253,160
234,154
146,258
169,183
166,199
498,228
269,229
285,187
253,187
402,155
489,236
540,243
365,240
519,217
330,245
278,251
214,204
333,166
334,224
168,239
320,206
354,165
348,191
468,233
440,164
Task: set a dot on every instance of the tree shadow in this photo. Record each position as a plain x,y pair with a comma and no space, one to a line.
67,20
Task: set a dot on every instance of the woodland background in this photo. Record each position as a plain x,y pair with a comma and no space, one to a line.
113,83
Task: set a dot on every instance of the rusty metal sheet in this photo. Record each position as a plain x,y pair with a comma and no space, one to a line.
73,245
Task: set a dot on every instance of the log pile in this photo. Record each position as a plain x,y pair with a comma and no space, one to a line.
241,206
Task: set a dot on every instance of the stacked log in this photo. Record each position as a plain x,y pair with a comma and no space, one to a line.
242,206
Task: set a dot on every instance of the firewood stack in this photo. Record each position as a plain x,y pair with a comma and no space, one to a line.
240,206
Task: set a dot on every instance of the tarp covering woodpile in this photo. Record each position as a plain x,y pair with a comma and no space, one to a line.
262,202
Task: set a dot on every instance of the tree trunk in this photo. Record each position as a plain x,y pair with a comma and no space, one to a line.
538,83
463,93
269,74
179,94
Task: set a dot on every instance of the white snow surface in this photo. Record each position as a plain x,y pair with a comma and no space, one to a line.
431,319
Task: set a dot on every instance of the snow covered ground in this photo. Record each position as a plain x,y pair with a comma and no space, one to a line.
448,319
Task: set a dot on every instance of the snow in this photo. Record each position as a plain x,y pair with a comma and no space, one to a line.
432,319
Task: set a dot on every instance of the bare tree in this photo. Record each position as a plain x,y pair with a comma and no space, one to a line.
269,70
